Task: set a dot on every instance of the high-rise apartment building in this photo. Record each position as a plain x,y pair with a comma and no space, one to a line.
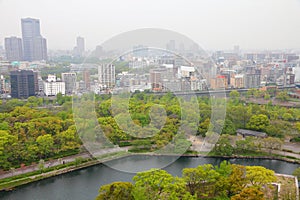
107,75
70,82
35,46
22,83
14,49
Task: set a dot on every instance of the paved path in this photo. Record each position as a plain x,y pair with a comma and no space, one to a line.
59,161
295,147
48,164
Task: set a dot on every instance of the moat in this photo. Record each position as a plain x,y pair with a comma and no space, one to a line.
84,184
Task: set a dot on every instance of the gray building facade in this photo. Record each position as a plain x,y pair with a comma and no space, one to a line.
35,46
22,83
13,49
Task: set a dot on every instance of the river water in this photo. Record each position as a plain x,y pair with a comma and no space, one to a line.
84,184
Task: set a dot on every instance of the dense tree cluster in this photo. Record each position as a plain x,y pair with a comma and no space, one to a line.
28,133
276,121
227,181
41,128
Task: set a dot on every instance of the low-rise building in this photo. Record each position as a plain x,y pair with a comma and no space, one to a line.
249,133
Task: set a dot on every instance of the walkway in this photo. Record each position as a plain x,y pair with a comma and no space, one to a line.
59,161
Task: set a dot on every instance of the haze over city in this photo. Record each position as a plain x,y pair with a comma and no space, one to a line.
136,99
213,24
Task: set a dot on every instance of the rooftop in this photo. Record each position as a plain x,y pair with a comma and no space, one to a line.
245,132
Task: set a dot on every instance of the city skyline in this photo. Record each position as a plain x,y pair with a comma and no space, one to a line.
212,24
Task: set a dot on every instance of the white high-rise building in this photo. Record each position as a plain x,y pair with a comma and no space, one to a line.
53,87
107,75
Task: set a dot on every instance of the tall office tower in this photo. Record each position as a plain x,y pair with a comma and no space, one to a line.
79,49
13,49
80,44
107,75
35,46
22,83
70,82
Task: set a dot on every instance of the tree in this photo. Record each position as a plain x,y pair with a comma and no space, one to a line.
203,127
157,184
279,128
60,99
259,176
298,126
258,122
225,168
34,101
267,96
45,144
234,96
237,179
272,144
287,117
250,193
7,150
240,115
297,173
68,139
229,127
246,145
223,146
116,191
282,96
201,180
223,184
191,176
257,93
32,151
4,126
250,92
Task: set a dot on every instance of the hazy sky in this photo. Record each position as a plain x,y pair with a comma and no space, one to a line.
213,24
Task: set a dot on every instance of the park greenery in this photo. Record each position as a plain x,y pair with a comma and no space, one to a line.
41,128
226,181
30,133
278,122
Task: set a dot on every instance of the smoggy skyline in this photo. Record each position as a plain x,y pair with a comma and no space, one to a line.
213,24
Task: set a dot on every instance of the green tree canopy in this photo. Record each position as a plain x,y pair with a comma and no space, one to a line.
116,191
258,122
